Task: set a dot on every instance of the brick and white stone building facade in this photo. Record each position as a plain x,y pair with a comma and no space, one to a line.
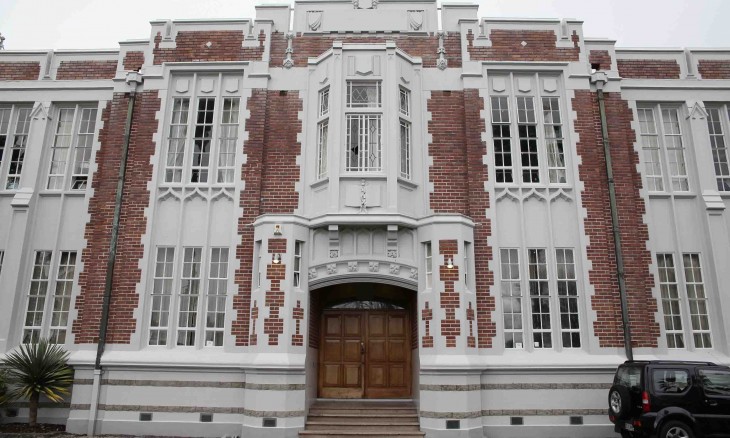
382,155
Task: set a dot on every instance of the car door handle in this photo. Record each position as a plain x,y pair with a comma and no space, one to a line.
711,402
362,348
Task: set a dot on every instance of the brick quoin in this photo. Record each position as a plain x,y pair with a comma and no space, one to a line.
714,69
226,45
478,204
274,298
133,61
634,232
601,58
470,339
85,70
507,46
427,317
424,46
449,298
19,71
270,173
132,225
648,68
297,315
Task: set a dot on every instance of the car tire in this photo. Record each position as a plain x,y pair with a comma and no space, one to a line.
676,429
619,401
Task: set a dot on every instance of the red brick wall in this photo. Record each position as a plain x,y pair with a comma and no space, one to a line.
448,150
714,69
648,68
133,61
478,205
600,57
19,71
79,70
281,171
425,46
191,46
449,298
131,227
634,233
507,46
270,173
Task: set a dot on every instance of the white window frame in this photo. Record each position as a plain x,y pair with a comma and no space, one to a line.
199,167
663,150
297,268
71,171
15,121
467,258
514,122
189,287
428,260
718,122
518,290
405,133
670,298
323,112
52,307
697,300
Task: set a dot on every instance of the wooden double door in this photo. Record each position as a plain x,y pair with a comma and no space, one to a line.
365,354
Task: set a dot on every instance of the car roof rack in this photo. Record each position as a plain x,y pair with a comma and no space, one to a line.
670,362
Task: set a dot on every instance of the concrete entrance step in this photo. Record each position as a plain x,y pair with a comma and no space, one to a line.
370,425
361,417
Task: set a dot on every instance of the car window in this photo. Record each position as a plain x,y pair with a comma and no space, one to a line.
629,377
716,382
670,381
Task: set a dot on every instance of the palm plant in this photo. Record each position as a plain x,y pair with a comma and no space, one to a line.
35,369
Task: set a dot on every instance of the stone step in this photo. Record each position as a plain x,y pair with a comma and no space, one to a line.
349,433
364,412
362,418
381,426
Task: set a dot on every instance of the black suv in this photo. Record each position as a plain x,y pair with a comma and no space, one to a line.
670,399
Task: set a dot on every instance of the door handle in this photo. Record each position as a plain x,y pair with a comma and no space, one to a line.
711,402
362,348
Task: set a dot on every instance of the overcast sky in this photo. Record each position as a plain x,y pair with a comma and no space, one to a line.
85,24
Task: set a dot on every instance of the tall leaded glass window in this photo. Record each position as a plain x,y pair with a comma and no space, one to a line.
161,296
73,139
215,316
671,305
716,118
37,297
323,126
539,298
511,292
14,130
568,298
62,296
502,139
363,127
697,299
203,130
554,140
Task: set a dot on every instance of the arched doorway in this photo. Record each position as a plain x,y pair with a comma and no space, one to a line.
366,333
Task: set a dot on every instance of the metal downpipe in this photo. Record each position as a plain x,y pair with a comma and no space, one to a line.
133,80
620,271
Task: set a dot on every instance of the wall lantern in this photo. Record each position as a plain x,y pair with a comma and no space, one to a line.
450,263
277,259
277,230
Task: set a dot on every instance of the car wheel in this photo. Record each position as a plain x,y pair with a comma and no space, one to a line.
676,429
619,401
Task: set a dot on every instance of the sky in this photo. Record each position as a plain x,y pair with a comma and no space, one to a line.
97,24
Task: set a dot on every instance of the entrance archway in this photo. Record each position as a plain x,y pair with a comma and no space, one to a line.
366,340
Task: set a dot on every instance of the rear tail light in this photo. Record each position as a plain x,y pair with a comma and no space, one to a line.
645,405
612,418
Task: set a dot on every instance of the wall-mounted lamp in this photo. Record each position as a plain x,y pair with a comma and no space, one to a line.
277,230
277,259
450,263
